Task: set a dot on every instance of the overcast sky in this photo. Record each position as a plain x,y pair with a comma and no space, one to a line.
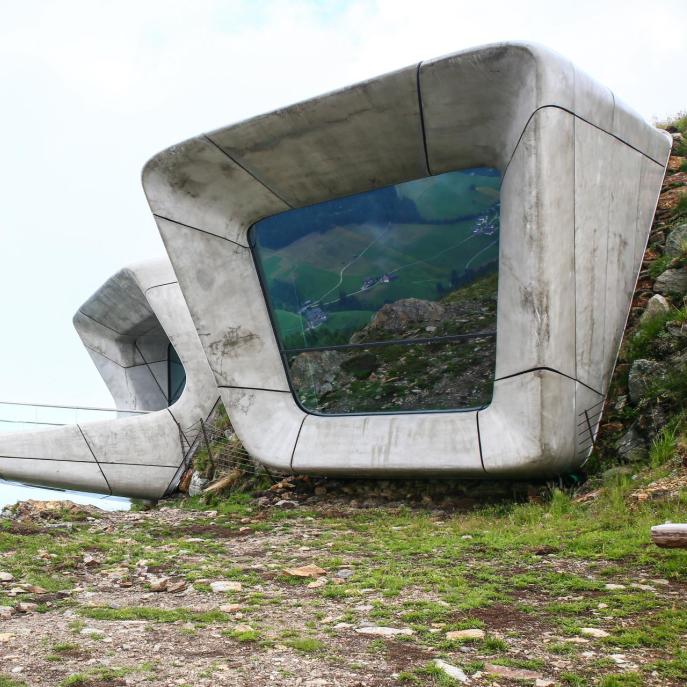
90,90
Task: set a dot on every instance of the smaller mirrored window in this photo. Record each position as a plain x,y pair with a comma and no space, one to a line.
176,376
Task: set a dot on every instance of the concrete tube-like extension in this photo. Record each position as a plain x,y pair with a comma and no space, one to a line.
130,327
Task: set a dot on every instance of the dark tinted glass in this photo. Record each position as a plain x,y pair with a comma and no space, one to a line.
176,376
413,264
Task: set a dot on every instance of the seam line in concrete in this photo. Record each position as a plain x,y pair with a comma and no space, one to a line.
548,369
479,441
295,443
570,112
124,367
157,286
94,457
422,119
253,388
247,171
202,231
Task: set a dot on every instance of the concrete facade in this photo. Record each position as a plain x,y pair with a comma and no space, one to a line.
127,327
581,176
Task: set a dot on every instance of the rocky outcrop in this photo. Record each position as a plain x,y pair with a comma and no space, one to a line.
649,387
403,315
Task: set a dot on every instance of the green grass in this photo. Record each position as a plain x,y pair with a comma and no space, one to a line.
622,680
305,644
6,681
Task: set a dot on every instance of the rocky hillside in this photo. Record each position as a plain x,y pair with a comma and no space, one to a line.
645,418
448,374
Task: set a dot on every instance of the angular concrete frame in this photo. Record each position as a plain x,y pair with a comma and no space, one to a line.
127,326
581,177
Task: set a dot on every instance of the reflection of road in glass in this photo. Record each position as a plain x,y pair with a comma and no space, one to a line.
476,255
417,262
345,267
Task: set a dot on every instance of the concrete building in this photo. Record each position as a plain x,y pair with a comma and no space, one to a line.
138,331
511,198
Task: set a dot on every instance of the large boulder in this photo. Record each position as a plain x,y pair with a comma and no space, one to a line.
631,447
656,307
676,241
642,376
673,282
403,315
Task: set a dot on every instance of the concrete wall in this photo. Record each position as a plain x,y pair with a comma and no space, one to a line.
126,327
581,176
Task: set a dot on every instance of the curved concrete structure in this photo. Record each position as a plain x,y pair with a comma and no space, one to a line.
581,176
127,327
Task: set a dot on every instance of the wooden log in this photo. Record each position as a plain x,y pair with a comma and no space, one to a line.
670,536
223,482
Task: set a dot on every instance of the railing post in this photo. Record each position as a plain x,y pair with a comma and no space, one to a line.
205,436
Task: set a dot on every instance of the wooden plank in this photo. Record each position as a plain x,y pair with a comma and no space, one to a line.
670,536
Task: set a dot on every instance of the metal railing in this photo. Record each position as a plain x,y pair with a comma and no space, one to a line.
20,415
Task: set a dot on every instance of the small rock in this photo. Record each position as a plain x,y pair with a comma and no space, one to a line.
198,484
473,633
466,536
34,589
344,573
673,281
230,608
511,673
241,628
656,307
5,612
452,671
26,607
306,571
285,503
90,561
610,586
320,490
594,632
6,577
319,582
225,586
6,637
178,586
159,584
378,631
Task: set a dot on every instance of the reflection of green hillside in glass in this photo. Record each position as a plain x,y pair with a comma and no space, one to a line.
414,262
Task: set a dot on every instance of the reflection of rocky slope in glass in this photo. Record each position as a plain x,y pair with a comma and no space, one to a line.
443,375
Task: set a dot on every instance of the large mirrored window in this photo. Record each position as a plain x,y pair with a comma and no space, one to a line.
386,300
